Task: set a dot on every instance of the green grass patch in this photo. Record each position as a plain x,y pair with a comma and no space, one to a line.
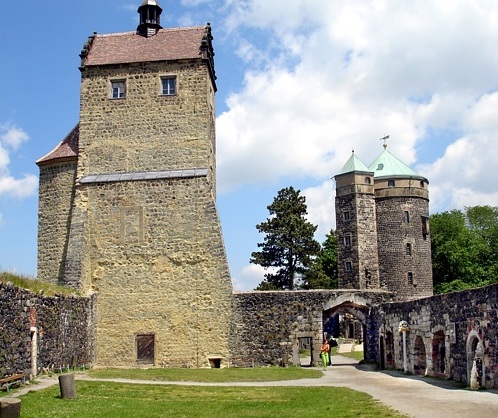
258,374
35,285
111,400
357,355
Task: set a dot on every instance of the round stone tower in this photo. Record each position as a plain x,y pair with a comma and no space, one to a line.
402,219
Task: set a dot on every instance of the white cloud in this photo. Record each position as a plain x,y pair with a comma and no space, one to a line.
11,137
331,76
249,277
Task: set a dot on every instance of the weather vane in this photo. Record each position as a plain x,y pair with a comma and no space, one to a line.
385,138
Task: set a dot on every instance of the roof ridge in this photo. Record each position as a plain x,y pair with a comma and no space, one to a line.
106,35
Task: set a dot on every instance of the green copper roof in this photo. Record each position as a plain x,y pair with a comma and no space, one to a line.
354,164
387,165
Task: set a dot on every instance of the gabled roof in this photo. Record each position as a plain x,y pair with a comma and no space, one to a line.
66,150
354,164
129,47
387,165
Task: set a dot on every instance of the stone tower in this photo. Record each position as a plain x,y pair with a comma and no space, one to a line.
358,266
132,212
382,214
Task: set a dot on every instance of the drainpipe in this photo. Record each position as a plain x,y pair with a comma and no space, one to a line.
34,350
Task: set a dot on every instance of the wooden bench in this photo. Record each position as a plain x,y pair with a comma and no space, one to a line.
15,380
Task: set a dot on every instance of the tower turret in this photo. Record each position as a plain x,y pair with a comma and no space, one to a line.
358,265
150,22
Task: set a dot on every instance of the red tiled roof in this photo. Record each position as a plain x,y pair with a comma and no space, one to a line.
67,149
128,47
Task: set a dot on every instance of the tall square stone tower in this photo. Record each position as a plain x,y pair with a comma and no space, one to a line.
128,200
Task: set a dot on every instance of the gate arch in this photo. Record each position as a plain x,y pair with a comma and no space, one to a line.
475,365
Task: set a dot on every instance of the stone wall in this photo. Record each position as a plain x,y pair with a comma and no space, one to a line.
55,199
267,325
64,327
450,335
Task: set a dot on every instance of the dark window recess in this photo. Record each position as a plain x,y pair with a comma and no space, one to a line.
406,217
408,249
346,216
367,180
425,226
411,279
347,240
349,266
145,348
391,183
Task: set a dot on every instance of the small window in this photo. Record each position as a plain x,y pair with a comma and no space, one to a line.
411,279
168,86
118,89
347,240
368,180
346,216
348,266
406,217
422,184
425,226
391,183
408,249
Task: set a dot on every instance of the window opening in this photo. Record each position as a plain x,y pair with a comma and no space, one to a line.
168,85
406,217
347,240
346,216
118,89
391,183
408,249
349,266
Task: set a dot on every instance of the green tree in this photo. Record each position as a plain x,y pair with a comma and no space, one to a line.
464,248
323,272
288,247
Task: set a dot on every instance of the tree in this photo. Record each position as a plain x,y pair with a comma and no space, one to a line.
464,248
289,246
323,272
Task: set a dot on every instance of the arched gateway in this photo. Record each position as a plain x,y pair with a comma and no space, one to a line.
269,327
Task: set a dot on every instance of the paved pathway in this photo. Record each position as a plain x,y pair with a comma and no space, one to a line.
418,397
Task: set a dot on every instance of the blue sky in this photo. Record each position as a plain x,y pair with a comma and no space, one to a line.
300,84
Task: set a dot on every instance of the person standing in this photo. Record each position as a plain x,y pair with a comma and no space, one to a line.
324,354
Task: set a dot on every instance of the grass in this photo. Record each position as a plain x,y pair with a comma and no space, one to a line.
259,374
124,400
35,285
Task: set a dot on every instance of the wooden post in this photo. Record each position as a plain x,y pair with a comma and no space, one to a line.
67,386
10,408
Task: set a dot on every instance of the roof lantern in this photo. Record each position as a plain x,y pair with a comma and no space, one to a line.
150,13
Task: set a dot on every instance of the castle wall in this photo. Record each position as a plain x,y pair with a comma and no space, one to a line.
55,199
453,336
267,325
64,326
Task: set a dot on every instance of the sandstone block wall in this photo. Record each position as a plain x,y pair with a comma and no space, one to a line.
65,327
56,194
152,249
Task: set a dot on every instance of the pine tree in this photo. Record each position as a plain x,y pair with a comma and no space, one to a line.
289,246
